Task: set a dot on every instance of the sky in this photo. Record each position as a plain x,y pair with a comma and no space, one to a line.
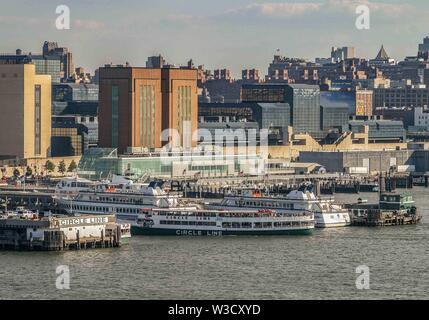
234,34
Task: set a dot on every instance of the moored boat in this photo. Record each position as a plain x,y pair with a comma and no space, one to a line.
327,213
199,222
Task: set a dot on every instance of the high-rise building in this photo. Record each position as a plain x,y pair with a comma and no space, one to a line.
137,104
25,106
54,61
364,102
155,62
49,65
305,108
424,49
341,54
304,101
51,49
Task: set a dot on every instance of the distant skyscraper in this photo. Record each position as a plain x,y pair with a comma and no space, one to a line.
155,62
341,54
424,49
25,106
54,61
51,49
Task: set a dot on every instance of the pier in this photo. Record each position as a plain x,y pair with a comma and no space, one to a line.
59,233
329,184
393,209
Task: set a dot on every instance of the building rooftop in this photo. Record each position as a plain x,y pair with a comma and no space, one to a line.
279,84
382,54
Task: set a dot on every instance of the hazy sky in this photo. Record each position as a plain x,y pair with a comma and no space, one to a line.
218,33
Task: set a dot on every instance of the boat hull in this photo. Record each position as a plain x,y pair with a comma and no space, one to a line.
135,230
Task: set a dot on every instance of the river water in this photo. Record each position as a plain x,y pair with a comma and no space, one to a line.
321,266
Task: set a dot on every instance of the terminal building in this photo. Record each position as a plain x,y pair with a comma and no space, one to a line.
100,163
369,161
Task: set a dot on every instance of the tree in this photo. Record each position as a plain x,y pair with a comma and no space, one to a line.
62,167
49,166
16,173
72,166
28,172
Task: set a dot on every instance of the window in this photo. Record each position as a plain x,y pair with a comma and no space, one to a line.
115,116
147,116
37,120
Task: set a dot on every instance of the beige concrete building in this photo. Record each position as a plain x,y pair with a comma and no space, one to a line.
25,112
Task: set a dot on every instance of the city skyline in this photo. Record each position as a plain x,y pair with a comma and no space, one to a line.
104,31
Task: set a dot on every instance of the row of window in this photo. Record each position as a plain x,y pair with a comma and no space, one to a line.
237,225
188,223
259,204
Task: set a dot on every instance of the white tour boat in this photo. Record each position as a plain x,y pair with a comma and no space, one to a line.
198,222
326,213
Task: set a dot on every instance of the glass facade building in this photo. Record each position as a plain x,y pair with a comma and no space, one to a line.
101,162
380,130
334,117
304,102
305,108
275,117
67,92
68,139
49,66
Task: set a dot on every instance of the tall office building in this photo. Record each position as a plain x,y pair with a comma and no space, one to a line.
49,65
305,108
51,49
155,62
137,104
341,54
424,49
54,61
304,101
25,106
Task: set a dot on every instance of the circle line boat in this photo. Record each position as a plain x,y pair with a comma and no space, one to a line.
196,222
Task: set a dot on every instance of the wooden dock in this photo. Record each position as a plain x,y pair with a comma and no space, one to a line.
378,218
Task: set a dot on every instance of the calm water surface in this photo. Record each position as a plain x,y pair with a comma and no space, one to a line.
321,266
